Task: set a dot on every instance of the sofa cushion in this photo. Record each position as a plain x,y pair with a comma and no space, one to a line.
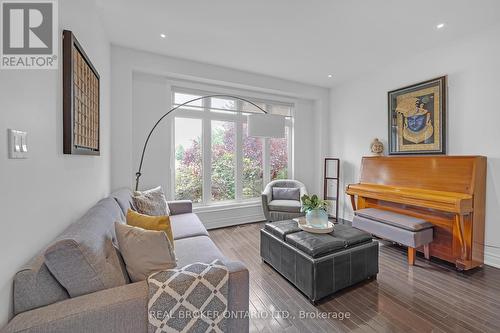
282,228
124,199
291,206
158,223
187,225
396,220
315,245
286,193
35,286
196,249
151,202
83,258
350,235
144,251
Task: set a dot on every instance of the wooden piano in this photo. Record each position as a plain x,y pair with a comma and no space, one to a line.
448,191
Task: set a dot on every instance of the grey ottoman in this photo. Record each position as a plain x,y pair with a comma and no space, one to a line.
319,264
403,229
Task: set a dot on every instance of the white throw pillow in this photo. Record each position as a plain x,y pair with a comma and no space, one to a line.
151,202
144,251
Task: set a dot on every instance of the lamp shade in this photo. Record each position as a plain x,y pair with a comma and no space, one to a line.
266,125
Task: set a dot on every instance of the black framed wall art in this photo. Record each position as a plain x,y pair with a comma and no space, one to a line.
417,118
81,100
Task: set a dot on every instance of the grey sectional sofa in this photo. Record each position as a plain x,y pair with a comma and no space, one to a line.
42,304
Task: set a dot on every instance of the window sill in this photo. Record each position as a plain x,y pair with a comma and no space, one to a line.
214,207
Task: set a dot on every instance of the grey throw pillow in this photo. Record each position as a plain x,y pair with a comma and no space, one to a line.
151,202
286,193
144,251
81,269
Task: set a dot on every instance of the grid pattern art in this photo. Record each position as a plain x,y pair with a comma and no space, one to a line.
86,103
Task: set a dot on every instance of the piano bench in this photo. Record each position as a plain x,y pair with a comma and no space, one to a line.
403,229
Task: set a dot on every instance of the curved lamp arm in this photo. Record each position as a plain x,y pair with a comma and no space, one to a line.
138,174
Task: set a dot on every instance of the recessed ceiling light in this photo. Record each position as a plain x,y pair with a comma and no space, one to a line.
163,36
440,26
330,75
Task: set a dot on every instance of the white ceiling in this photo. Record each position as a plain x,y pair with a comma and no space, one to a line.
300,40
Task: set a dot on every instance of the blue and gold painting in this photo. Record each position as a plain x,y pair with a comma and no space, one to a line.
416,118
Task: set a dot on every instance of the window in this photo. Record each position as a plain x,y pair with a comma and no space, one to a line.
180,98
188,160
223,161
215,160
253,167
278,153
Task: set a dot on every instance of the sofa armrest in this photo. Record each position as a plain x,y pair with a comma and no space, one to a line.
120,309
180,207
239,297
267,196
265,206
268,193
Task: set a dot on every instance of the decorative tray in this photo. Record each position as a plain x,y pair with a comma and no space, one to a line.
309,228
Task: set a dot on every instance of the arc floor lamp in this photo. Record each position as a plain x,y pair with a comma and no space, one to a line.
259,125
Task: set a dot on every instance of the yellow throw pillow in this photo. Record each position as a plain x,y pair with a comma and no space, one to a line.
158,223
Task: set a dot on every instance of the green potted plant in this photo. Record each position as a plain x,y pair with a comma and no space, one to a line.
315,209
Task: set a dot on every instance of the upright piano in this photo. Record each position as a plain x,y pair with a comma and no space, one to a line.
448,191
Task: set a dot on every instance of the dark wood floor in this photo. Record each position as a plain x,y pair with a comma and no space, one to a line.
429,297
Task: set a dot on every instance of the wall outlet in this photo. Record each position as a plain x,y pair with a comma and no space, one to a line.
18,144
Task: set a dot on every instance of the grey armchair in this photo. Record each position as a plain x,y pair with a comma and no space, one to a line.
284,202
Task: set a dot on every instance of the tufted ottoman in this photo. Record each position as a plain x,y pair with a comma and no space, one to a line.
319,264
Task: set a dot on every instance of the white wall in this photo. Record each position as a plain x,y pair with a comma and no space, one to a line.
40,196
141,85
359,113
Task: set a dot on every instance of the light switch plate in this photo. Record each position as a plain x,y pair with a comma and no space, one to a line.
18,144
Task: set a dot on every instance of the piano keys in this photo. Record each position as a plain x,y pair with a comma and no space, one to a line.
448,191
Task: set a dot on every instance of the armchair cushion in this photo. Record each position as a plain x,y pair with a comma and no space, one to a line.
286,193
292,206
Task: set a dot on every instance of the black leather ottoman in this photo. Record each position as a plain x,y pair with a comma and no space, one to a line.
319,264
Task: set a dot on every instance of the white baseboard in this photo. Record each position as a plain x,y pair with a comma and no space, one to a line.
228,216
491,258
221,222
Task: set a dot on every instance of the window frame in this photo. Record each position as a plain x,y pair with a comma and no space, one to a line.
238,118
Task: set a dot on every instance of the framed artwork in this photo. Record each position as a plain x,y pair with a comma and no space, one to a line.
81,100
417,118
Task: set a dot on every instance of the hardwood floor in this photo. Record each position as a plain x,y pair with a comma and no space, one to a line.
428,297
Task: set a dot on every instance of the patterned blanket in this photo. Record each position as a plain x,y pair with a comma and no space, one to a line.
189,299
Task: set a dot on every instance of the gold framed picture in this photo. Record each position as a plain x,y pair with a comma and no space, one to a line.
417,118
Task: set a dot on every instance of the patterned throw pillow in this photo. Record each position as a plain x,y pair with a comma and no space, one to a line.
151,202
